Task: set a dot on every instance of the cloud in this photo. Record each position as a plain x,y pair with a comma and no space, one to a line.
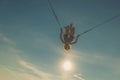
15,67
26,71
9,55
41,74
79,76
27,76
88,57
7,74
6,39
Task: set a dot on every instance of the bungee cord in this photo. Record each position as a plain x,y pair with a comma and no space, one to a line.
98,25
54,14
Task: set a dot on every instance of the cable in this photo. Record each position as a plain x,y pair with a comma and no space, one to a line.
53,11
98,25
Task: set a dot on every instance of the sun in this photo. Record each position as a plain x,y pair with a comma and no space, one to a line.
67,65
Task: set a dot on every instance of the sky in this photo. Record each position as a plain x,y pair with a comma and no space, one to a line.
30,48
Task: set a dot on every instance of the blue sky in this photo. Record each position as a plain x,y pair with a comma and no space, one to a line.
30,48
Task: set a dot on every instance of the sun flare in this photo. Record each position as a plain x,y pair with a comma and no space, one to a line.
67,65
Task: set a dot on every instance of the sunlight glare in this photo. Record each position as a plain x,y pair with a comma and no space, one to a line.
67,66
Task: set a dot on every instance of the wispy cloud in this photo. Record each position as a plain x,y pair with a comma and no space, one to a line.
41,74
27,76
26,71
88,57
20,69
79,76
6,39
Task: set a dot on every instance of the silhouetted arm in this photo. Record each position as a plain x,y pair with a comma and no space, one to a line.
75,39
61,32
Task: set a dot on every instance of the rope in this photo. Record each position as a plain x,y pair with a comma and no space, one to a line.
53,11
112,18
